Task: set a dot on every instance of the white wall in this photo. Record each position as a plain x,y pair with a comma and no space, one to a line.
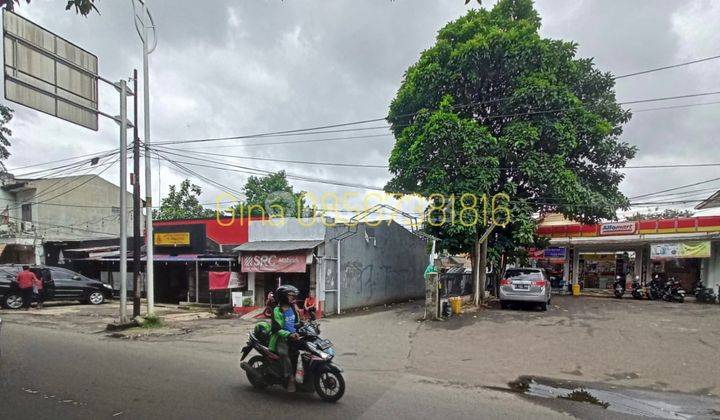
287,229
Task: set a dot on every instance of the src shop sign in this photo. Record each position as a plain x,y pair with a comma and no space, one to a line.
273,263
618,228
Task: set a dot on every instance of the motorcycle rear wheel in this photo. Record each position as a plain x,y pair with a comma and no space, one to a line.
258,363
329,385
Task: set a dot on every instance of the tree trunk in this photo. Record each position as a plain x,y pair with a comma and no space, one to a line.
482,268
475,260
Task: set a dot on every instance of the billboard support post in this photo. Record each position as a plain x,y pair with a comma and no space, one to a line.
49,74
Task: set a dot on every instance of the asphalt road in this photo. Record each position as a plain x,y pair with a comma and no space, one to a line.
46,373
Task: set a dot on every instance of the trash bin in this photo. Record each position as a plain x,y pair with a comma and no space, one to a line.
456,304
576,289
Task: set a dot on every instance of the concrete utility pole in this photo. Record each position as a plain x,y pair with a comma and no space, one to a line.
123,200
142,29
137,201
480,263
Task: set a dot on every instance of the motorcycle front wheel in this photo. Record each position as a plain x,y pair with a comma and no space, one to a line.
258,363
329,385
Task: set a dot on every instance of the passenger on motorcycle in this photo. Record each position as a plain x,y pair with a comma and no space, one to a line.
285,322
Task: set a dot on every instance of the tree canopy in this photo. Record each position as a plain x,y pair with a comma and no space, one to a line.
272,195
657,214
182,203
83,7
492,108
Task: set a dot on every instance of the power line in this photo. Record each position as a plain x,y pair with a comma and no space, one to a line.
687,63
635,111
226,166
676,188
304,162
669,98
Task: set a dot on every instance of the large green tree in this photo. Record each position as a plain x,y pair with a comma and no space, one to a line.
493,107
182,203
272,195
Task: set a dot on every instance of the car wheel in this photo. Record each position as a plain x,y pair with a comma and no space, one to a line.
544,306
13,301
95,298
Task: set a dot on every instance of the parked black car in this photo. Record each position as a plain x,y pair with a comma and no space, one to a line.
58,284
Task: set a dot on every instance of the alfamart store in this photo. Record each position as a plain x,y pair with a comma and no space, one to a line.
687,249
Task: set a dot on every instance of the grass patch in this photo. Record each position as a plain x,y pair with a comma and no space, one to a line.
149,322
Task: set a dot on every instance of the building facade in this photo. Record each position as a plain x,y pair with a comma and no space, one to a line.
74,208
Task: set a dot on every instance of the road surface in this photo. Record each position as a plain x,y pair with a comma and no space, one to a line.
49,373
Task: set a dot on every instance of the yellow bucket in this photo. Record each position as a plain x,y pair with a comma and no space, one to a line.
576,289
456,305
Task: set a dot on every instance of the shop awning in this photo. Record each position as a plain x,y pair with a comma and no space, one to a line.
277,246
165,258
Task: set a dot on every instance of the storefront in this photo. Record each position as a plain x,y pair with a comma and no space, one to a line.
270,264
684,248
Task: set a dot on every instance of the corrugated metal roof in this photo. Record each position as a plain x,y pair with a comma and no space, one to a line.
277,246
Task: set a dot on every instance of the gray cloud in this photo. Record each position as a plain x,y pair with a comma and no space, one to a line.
243,67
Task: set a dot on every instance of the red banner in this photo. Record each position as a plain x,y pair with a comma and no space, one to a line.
219,279
273,263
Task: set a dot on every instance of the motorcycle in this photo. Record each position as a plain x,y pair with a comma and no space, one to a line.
655,288
639,291
673,291
316,355
619,287
704,294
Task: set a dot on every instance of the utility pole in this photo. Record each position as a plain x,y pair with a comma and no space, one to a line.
142,29
480,264
136,203
123,200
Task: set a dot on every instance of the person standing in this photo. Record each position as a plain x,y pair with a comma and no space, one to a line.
26,279
39,292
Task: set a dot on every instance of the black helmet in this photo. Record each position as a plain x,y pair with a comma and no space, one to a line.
281,294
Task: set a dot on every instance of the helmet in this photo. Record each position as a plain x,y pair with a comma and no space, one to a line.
282,293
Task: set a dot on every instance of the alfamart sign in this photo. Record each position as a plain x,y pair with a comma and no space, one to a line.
273,263
618,228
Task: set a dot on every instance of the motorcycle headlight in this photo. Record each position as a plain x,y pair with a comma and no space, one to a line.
323,355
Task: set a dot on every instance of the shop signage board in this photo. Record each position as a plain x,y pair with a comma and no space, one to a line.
698,249
618,228
49,74
273,263
555,252
172,239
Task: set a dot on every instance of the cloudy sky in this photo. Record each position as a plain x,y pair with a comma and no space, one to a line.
237,67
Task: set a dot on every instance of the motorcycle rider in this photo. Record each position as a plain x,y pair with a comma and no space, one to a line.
285,322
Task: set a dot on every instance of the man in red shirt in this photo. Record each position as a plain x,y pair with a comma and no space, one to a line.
25,280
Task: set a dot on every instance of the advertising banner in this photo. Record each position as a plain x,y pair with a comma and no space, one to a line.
273,263
699,249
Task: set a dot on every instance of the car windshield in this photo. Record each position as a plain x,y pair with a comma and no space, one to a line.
523,274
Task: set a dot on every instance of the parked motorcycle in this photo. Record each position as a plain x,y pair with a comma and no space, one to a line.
316,355
673,291
619,287
704,294
639,291
656,288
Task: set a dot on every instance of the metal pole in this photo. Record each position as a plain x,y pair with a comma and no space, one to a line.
136,202
197,282
149,271
338,277
123,201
